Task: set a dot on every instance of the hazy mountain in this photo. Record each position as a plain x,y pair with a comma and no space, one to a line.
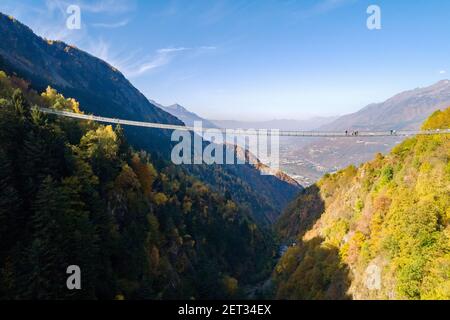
308,159
103,90
284,124
185,115
406,110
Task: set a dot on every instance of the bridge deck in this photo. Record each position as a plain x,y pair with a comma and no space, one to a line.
284,133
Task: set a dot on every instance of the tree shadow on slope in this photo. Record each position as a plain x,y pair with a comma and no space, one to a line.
312,271
301,214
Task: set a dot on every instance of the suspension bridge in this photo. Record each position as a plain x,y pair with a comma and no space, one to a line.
281,133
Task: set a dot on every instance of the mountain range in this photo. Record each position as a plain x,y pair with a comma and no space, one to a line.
282,124
185,115
404,111
101,89
308,160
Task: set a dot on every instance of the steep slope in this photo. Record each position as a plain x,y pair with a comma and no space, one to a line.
103,90
75,193
265,196
404,111
380,231
99,87
265,211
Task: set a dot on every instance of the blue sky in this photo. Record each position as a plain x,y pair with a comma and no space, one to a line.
257,59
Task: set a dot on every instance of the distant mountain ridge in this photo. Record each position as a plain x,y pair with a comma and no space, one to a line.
285,124
189,118
103,90
406,110
185,115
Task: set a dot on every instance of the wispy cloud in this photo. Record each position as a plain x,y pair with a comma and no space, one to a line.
442,72
98,6
54,27
136,64
112,25
100,49
49,21
108,6
162,57
171,50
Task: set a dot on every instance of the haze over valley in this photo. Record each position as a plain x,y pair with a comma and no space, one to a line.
308,159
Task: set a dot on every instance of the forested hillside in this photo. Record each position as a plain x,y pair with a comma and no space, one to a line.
103,90
380,231
74,193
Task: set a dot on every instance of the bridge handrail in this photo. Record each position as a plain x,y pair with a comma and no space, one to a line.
285,133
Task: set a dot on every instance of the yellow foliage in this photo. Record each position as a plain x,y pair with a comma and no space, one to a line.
55,100
438,120
145,172
160,199
231,285
127,180
101,142
395,209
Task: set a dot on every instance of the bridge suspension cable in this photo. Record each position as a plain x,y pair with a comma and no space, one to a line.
283,133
